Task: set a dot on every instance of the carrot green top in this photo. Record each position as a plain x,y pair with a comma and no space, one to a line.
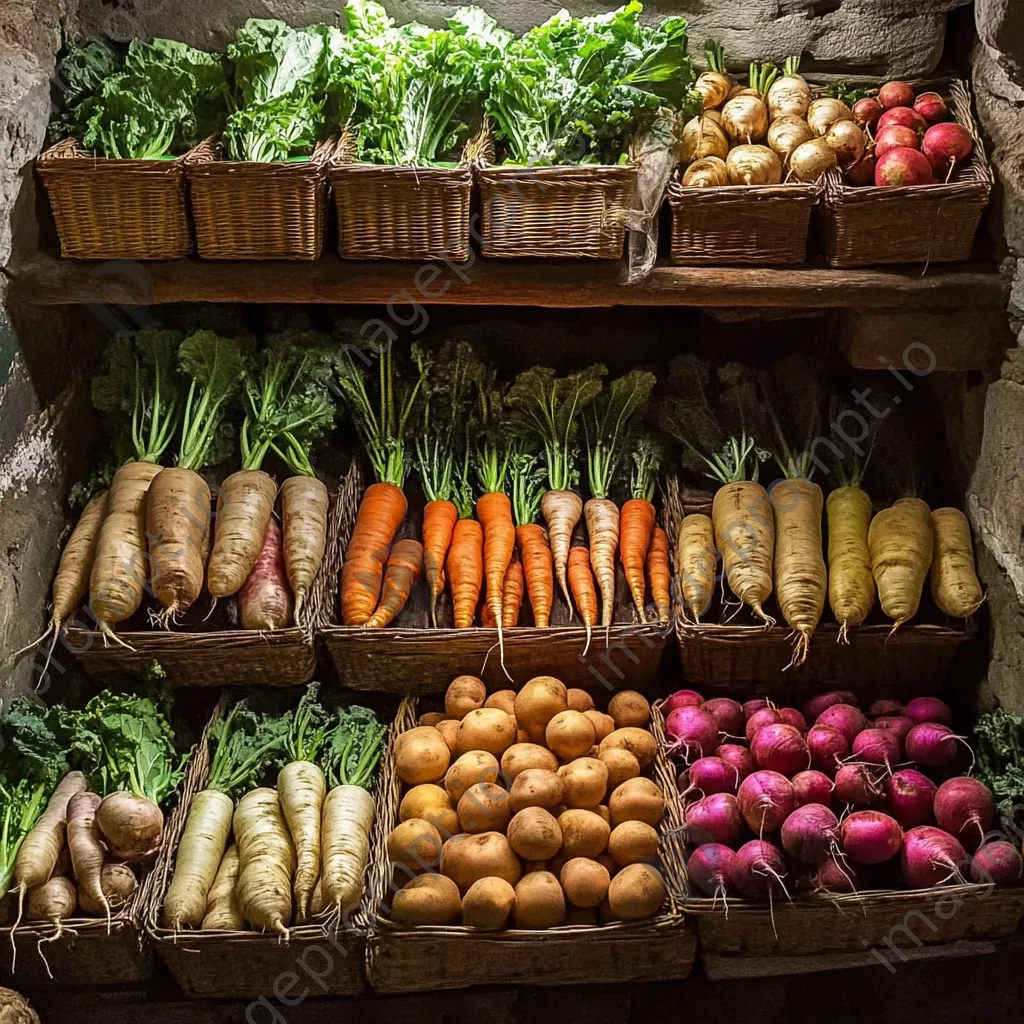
493,448
646,460
608,423
527,485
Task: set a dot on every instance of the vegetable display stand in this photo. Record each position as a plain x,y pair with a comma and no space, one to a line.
555,212
402,213
245,210
910,223
116,209
445,957
740,223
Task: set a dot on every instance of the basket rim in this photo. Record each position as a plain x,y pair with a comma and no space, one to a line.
341,168
804,192
68,153
557,172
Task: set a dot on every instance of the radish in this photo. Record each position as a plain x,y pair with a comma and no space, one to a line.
793,717
757,704
810,833
932,107
870,837
737,757
710,868
867,111
766,800
931,744
816,705
931,857
862,173
928,709
833,877
780,748
903,166
857,786
691,730
844,718
681,699
896,94
878,746
813,788
827,747
885,709
895,136
998,862
759,870
727,713
910,796
965,808
897,726
712,775
715,819
759,719
905,116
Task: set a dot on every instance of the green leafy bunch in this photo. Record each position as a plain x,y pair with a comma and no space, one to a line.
246,745
999,739
355,745
610,424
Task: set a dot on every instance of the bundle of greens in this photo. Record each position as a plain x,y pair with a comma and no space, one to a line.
1000,746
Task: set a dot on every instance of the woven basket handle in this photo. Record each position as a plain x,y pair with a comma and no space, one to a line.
66,149
205,153
323,152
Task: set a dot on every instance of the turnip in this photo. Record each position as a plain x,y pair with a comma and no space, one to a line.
692,731
932,107
790,95
780,748
857,786
928,709
794,718
753,165
132,826
727,713
736,757
751,706
903,166
844,718
931,744
715,818
998,862
931,857
787,133
745,119
907,117
895,136
759,719
847,141
681,699
810,834
867,111
827,747
708,172
910,795
896,94
871,837
878,746
813,787
712,775
759,870
811,160
965,808
884,708
710,868
766,800
816,705
824,112
898,726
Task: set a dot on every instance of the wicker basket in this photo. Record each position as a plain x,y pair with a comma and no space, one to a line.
245,965
741,223
116,209
402,213
417,959
258,211
914,223
555,212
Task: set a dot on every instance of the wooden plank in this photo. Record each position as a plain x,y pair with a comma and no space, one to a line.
48,280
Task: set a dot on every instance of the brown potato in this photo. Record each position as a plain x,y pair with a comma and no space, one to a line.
584,833
633,841
484,808
629,709
521,756
504,700
570,734
537,703
487,729
421,755
585,781
427,899
604,725
636,799
540,902
610,864
449,730
430,718
579,700
636,892
469,770
584,881
487,904
416,844
603,811
534,834
639,742
464,694
465,859
431,803
621,764
537,787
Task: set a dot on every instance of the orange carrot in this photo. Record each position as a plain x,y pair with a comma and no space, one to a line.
404,568
494,511
539,568
380,514
487,617
439,518
636,527
465,570
512,594
584,591
659,575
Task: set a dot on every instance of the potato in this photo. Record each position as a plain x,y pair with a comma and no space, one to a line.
540,902
585,781
636,799
504,700
606,860
484,808
416,844
639,742
633,841
464,694
537,787
421,756
466,859
487,729
522,756
534,834
469,770
603,811
581,916
537,703
430,718
621,764
636,892
604,725
487,904
629,709
430,803
428,899
584,833
579,700
584,881
449,730
570,734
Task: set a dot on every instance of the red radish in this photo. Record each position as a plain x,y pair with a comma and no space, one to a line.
828,747
903,166
759,719
878,746
780,748
857,786
931,857
710,868
759,870
932,107
905,116
736,757
862,173
712,775
793,717
928,709
845,718
867,111
813,788
931,744
814,707
750,706
727,713
885,708
998,862
681,699
870,837
965,808
766,800
715,819
809,834
897,726
896,94
895,137
692,731
911,796
833,877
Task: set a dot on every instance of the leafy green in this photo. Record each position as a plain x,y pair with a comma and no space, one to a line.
308,727
528,488
1000,743
493,447
246,745
646,458
609,423
354,747
274,131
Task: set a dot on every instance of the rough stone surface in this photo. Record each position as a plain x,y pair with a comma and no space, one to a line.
1001,28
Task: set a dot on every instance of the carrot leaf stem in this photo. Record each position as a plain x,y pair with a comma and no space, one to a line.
608,426
528,488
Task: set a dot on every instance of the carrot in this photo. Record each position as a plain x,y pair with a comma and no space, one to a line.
602,517
851,587
696,559
512,594
439,519
380,514
562,511
955,586
584,592
465,568
222,912
901,541
745,535
494,511
404,568
85,841
304,505
264,602
636,521
539,570
244,508
266,861
659,574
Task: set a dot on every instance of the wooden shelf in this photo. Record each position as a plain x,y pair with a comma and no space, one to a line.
49,280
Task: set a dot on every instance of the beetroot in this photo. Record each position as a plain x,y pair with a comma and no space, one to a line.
710,868
862,172
827,746
867,111
903,166
812,788
692,731
814,707
766,800
793,717
712,775
780,748
737,757
885,709
965,808
946,145
906,117
998,862
727,713
928,709
910,796
931,744
759,719
750,706
759,870
932,107
845,718
856,785
931,857
833,877
681,699
871,837
896,94
895,136
898,726
878,746
715,819
809,834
